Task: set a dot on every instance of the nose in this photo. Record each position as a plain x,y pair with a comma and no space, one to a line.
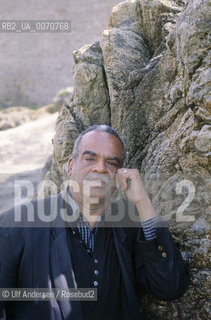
100,167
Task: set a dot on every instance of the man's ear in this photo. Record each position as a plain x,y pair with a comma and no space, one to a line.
70,164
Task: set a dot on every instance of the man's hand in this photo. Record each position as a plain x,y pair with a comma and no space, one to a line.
131,182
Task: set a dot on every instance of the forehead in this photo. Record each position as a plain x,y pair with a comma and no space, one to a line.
101,142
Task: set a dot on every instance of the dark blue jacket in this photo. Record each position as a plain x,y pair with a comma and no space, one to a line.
39,258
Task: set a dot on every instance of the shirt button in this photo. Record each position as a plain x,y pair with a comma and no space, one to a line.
160,248
96,272
95,260
88,250
95,283
164,255
73,232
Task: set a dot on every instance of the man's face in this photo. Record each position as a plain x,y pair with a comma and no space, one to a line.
100,155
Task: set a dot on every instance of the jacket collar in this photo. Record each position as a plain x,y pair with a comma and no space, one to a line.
61,264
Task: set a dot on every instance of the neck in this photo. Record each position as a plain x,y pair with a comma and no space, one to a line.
90,210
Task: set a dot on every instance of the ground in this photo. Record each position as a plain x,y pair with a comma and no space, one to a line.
24,151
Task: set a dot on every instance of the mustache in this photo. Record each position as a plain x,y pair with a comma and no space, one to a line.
98,176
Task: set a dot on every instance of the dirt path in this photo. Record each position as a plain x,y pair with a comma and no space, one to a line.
23,153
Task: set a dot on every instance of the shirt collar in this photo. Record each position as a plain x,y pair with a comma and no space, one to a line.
82,221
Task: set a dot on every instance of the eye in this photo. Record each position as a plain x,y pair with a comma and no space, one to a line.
113,164
89,159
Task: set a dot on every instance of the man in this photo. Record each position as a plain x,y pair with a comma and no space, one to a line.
92,243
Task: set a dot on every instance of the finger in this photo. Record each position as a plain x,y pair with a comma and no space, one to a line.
124,183
123,172
117,181
123,179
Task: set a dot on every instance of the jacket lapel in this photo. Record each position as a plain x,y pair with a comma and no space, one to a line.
123,253
125,261
62,270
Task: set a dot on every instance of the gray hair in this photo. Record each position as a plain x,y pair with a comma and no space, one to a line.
101,128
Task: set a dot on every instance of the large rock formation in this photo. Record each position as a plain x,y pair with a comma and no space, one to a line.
149,80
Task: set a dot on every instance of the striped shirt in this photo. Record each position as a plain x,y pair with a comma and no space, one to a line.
88,234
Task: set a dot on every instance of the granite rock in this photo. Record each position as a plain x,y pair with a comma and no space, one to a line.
149,79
